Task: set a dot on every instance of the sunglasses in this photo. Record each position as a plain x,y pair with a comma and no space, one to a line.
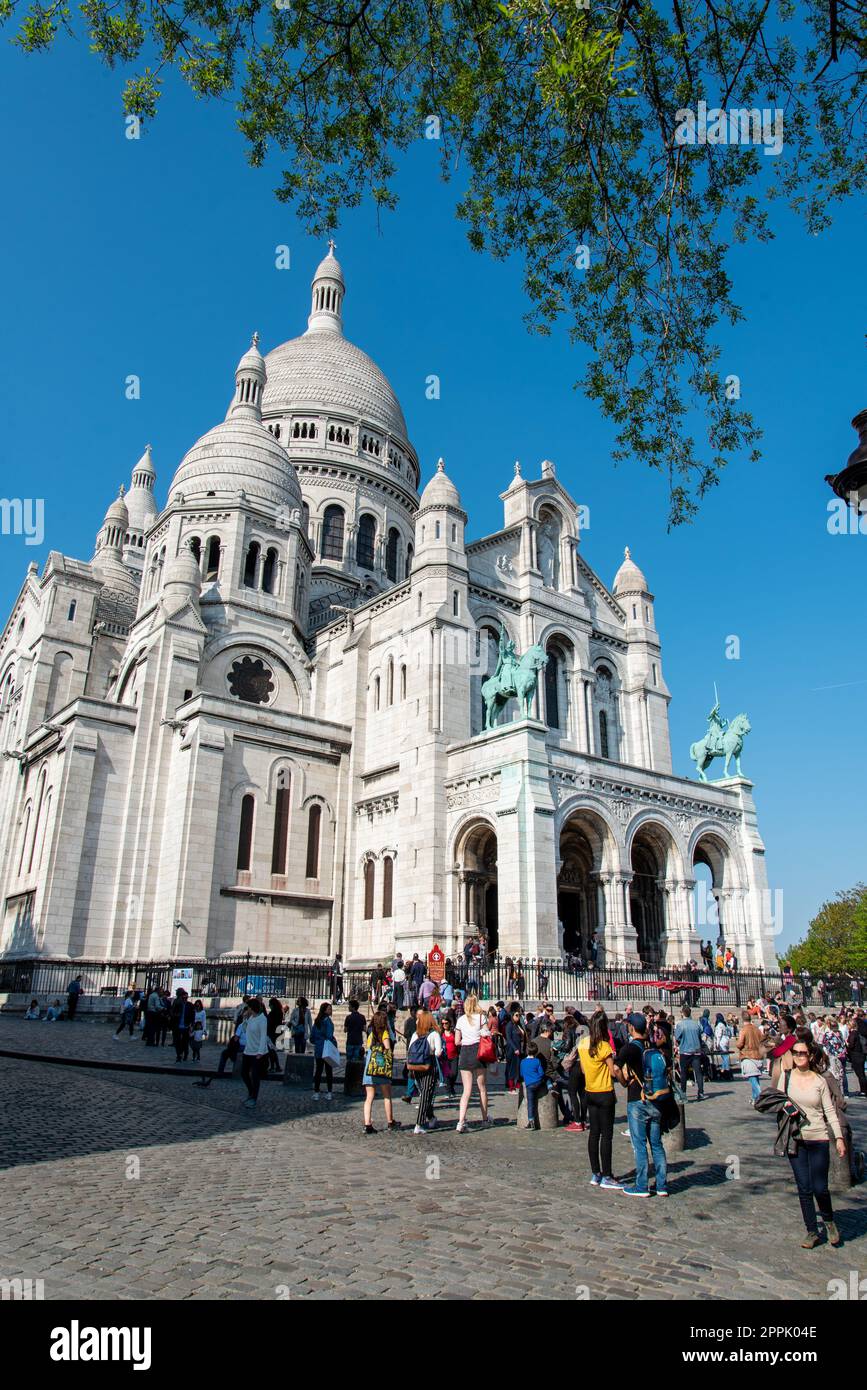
800,1052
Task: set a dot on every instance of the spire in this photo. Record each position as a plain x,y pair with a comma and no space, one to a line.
144,474
328,289
250,377
110,539
626,554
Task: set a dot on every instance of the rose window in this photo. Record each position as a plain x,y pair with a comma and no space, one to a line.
251,680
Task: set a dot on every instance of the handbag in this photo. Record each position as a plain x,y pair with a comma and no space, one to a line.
331,1053
487,1050
379,1063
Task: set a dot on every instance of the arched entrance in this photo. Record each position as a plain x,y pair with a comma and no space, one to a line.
478,907
710,868
650,858
585,844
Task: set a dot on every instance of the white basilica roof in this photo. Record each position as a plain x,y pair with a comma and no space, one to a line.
322,370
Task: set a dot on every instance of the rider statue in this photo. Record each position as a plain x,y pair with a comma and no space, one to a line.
507,662
716,727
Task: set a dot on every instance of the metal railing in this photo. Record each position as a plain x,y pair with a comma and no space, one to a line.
496,977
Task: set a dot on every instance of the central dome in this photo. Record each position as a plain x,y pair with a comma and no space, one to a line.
322,370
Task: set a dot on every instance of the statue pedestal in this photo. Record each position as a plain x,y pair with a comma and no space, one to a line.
522,817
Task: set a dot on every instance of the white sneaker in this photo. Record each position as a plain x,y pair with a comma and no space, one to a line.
419,1129
315,1095
328,1095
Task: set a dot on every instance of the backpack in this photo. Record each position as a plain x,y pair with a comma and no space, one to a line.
655,1082
418,1056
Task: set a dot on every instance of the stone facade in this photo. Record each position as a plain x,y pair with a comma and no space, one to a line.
253,721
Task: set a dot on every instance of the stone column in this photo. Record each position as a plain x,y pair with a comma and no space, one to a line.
621,940
682,939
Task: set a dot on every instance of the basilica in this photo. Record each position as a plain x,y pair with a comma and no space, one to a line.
254,720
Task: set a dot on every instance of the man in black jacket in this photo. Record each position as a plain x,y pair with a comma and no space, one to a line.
183,1015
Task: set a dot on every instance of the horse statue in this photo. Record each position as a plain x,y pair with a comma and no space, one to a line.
721,741
516,677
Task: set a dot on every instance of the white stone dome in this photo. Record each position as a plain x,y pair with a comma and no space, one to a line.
323,371
629,578
440,491
239,455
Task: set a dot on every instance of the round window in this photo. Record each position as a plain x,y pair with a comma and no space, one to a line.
251,680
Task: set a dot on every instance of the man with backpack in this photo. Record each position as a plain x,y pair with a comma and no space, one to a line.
640,1067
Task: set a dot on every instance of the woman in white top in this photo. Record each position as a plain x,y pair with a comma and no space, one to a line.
428,1051
470,1028
255,1051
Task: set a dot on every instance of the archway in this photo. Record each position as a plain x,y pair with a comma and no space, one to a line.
478,903
711,873
651,849
584,842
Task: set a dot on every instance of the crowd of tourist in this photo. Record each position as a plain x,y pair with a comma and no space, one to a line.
429,1039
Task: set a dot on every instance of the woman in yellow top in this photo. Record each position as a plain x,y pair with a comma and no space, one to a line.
596,1058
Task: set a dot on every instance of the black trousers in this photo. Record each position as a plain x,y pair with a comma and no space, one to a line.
252,1069
687,1060
127,1021
810,1166
181,1040
600,1112
577,1093
858,1059
322,1065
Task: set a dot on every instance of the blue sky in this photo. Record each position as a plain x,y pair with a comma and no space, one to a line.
157,257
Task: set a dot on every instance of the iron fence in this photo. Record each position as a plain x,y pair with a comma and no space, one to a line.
495,977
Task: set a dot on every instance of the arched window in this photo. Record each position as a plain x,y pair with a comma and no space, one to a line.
28,809
603,734
408,566
369,887
332,534
251,564
45,819
60,682
245,832
390,684
387,885
607,714
212,563
365,548
552,689
280,843
403,682
376,688
391,553
40,794
314,824
269,571
456,603
70,613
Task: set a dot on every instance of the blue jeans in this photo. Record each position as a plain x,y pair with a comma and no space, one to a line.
533,1094
645,1127
755,1086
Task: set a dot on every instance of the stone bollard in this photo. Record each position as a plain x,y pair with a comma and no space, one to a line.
298,1069
840,1172
674,1142
352,1079
546,1110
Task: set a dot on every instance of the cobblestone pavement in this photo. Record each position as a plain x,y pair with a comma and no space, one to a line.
123,1185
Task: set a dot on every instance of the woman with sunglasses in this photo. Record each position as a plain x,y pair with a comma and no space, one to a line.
807,1087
